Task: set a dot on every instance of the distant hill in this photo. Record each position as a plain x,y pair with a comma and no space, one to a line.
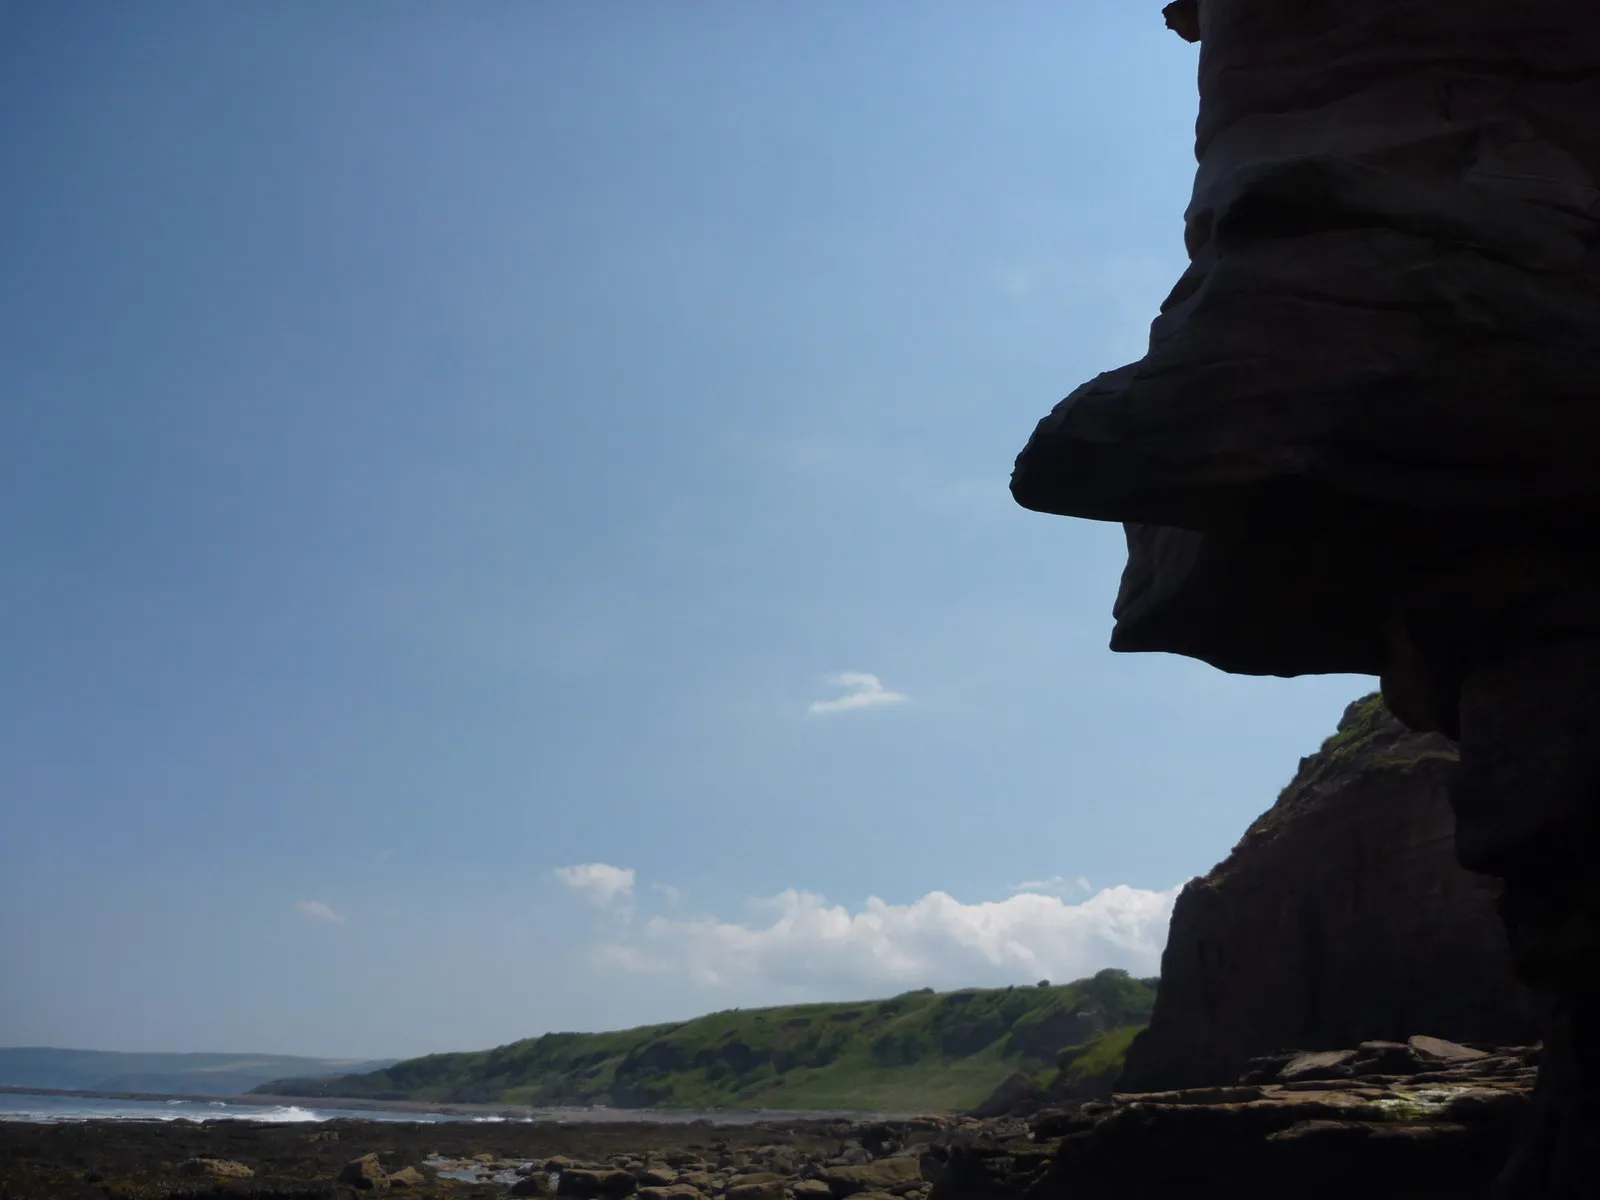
178,1074
920,1050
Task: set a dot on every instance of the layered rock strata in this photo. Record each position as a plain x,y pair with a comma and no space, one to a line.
1340,917
1366,434
1421,1118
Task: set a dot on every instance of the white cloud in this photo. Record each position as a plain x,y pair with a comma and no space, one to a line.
937,941
601,882
862,691
316,910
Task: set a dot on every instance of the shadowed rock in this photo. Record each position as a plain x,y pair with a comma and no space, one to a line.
1341,917
1390,325
1366,434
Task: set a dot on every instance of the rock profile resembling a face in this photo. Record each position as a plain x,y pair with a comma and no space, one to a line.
1366,435
1386,346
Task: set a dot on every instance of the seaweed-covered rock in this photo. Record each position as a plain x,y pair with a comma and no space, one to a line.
216,1168
365,1174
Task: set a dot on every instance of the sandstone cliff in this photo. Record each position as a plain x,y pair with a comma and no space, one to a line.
1340,917
1364,438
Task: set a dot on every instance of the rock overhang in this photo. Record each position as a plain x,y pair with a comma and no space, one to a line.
1386,349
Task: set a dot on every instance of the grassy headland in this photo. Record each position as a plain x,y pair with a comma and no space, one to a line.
917,1051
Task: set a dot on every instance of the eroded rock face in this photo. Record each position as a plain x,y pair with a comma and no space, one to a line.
1341,917
1389,330
1366,434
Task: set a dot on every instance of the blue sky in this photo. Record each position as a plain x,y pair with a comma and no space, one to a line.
454,456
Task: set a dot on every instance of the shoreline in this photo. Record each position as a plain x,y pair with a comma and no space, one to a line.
553,1115
461,1160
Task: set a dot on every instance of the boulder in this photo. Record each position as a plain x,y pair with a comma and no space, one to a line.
584,1183
784,1162
811,1189
535,1183
851,1156
364,1174
767,1189
885,1175
410,1177
1385,1058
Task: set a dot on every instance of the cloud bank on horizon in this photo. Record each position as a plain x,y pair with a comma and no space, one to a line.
798,941
862,690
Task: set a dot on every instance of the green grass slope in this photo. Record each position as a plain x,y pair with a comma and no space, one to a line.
920,1050
180,1074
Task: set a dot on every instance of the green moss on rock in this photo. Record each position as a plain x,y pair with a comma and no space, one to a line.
1368,739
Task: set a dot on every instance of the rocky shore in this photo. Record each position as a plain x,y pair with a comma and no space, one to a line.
679,1160
1420,1118
1423,1117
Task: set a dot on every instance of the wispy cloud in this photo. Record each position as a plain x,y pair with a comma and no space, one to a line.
316,910
861,691
602,883
1053,886
815,947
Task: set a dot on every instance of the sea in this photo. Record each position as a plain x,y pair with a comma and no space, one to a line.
50,1108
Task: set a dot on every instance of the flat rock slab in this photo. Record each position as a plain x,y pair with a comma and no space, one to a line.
1307,1138
1439,1050
1319,1064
